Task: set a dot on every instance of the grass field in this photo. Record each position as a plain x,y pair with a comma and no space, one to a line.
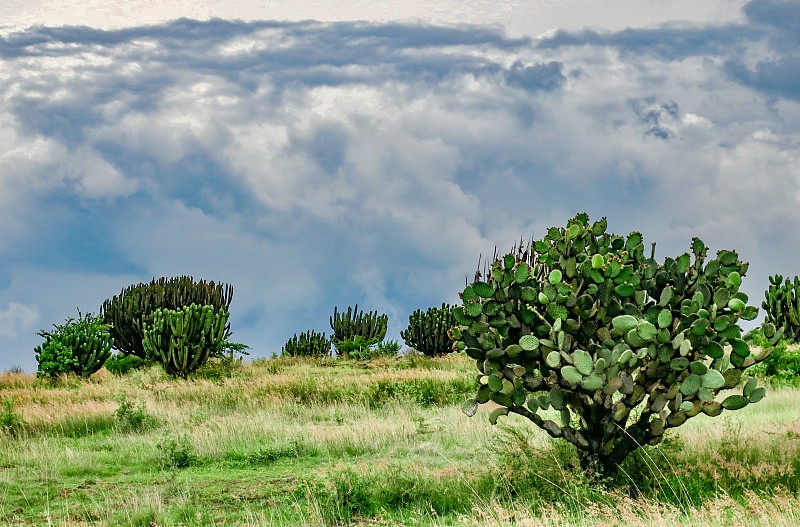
384,443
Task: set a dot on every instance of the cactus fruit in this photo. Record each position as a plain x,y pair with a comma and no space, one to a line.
182,340
428,332
346,326
307,344
599,329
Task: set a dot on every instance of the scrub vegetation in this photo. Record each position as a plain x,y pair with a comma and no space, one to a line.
323,441
626,389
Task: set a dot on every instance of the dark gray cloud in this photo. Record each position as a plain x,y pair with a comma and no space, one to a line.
776,22
666,43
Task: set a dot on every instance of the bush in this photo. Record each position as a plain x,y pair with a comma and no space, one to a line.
10,421
359,348
621,346
78,346
783,364
132,417
175,451
120,364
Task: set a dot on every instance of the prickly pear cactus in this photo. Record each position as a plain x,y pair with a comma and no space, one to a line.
371,327
619,346
307,344
428,332
182,340
782,305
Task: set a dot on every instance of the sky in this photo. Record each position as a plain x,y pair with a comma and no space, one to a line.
319,154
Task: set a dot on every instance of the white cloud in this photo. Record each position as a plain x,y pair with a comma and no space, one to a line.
367,163
17,318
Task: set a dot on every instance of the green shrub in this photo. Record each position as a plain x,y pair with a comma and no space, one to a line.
120,364
132,417
783,364
78,346
621,346
175,451
11,422
359,348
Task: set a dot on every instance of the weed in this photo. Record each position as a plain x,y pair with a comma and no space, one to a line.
176,451
11,422
132,417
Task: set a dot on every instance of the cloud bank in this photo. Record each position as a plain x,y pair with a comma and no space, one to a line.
318,164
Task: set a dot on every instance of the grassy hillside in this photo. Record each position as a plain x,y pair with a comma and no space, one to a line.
294,442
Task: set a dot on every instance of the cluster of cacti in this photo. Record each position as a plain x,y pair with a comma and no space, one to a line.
782,305
623,347
183,339
307,344
126,311
77,346
428,332
346,326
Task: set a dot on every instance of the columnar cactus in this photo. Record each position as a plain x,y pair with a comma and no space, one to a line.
371,326
307,344
782,305
428,332
84,346
182,340
621,346
125,312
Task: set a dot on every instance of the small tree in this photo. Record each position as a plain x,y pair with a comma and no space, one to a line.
621,346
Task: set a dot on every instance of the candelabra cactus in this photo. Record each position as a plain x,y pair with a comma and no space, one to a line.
126,311
621,346
782,305
78,346
182,340
346,326
428,332
307,344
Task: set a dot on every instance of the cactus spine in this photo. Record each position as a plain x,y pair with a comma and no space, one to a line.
623,346
346,326
183,339
307,344
428,332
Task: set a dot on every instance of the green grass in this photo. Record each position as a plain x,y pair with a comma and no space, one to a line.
303,442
